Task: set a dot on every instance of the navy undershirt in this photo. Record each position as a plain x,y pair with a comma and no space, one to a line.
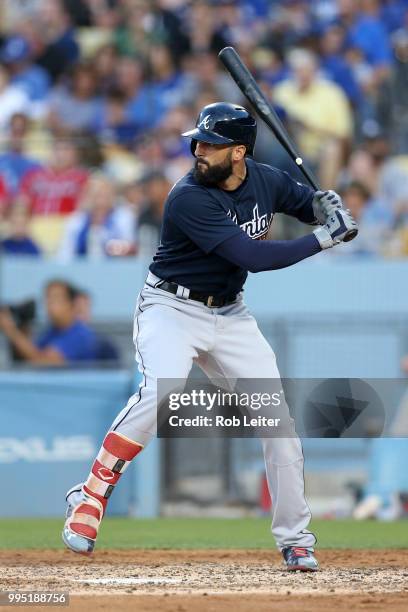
261,255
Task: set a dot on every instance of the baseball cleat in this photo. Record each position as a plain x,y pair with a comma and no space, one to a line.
300,559
82,523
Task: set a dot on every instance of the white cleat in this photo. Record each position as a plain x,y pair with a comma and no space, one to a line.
84,515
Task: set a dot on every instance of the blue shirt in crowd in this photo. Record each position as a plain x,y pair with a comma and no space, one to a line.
339,71
76,343
13,166
370,36
19,246
35,81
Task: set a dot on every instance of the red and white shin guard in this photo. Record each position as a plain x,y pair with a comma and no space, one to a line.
116,453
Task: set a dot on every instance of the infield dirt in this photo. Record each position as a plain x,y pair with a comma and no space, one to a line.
211,580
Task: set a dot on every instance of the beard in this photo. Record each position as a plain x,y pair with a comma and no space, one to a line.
211,176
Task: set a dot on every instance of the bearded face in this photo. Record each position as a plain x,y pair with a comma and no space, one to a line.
210,175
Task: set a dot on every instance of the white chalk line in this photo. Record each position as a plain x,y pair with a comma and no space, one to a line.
125,581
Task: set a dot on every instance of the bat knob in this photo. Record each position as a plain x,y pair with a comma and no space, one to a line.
350,235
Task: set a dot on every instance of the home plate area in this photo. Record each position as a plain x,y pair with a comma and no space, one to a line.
211,580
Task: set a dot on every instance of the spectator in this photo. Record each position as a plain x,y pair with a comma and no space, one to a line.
374,221
270,65
18,240
14,12
149,148
56,188
321,114
335,65
133,35
167,82
143,109
399,91
291,22
104,64
112,123
65,339
367,161
156,186
104,15
202,72
146,23
59,47
14,164
106,349
80,12
29,77
366,32
203,28
3,196
73,106
382,173
101,228
175,149
393,13
12,99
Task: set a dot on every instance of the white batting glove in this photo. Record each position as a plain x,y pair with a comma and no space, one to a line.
324,204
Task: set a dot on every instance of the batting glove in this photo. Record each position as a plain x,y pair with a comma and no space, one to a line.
324,204
338,226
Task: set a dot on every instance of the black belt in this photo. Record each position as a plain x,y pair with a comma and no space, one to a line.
209,300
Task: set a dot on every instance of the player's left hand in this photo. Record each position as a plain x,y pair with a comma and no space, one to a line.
340,224
325,203
339,227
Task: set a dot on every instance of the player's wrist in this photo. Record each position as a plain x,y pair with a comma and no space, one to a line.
324,238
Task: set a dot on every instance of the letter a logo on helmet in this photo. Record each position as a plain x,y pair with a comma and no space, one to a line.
225,124
205,123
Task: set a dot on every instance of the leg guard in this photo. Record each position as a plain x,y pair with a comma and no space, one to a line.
87,505
115,454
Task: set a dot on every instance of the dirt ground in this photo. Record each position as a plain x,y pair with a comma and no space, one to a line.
211,580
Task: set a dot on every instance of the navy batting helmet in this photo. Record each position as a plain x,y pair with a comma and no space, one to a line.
224,123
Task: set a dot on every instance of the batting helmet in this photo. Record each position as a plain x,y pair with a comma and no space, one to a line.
224,123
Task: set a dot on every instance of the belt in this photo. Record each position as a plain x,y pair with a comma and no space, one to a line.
209,300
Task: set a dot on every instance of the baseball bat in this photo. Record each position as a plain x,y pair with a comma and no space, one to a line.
251,90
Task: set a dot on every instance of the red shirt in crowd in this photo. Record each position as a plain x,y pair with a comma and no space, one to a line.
53,192
3,194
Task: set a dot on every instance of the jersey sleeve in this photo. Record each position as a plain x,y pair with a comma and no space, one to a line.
202,219
294,198
261,255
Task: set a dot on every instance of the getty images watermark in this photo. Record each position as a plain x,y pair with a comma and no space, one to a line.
310,408
212,401
226,408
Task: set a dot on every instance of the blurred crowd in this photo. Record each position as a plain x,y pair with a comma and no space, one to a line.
94,95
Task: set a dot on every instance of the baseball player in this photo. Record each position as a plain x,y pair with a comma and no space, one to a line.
191,309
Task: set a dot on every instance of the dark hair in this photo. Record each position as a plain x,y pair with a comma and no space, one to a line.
82,293
70,290
115,94
363,191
